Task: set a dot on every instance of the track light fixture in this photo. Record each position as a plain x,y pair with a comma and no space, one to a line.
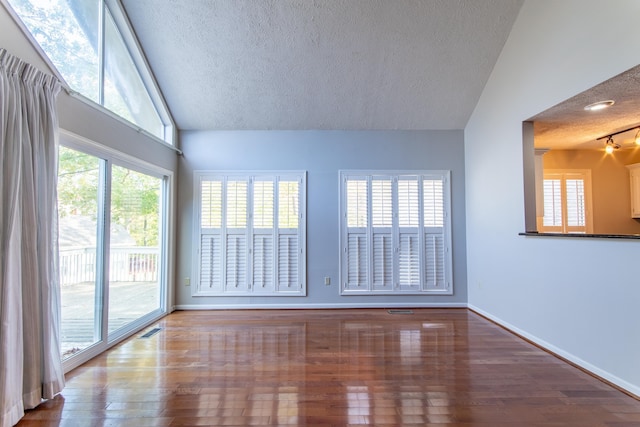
610,145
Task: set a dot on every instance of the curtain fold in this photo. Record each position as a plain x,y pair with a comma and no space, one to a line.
30,362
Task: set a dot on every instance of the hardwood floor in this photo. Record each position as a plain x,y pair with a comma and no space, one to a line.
332,368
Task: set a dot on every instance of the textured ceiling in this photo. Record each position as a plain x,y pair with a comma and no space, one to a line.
568,126
322,64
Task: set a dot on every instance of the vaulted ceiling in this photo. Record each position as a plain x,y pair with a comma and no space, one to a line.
321,64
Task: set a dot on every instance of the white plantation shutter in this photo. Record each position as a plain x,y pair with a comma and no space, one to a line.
382,226
395,232
434,234
241,251
289,259
211,239
408,240
566,201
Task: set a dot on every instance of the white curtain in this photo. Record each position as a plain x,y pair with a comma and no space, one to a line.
30,362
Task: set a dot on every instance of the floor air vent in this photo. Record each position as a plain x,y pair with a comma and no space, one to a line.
400,311
151,333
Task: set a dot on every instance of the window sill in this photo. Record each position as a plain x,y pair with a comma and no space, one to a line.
582,235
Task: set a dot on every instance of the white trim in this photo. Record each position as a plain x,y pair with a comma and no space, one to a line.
318,306
631,388
103,151
247,288
360,241
80,97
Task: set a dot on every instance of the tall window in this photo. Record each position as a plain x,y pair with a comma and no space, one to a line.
250,234
395,233
84,42
567,201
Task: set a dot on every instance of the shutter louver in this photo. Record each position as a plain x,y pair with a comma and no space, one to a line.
357,261
357,198
210,256
288,261
433,201
408,203
288,204
236,204
409,261
575,203
434,261
552,203
211,204
263,204
381,203
382,261
262,262
236,262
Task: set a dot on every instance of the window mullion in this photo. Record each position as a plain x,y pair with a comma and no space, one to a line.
103,247
395,233
101,51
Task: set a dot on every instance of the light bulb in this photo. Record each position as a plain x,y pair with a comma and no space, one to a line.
637,138
609,149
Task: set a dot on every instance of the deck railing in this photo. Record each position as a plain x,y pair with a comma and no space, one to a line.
126,264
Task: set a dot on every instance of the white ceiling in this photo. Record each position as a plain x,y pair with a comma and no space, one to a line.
321,64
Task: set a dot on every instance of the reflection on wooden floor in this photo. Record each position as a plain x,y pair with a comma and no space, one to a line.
446,367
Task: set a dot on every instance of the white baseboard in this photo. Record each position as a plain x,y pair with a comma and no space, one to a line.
631,388
316,306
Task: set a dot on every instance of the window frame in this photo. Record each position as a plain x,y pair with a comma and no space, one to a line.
370,240
280,238
109,157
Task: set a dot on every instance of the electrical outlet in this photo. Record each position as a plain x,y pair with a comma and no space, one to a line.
327,280
187,281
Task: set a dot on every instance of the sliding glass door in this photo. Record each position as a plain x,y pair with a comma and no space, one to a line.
79,189
134,246
112,233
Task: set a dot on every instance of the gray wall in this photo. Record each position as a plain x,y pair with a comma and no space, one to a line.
578,297
322,154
